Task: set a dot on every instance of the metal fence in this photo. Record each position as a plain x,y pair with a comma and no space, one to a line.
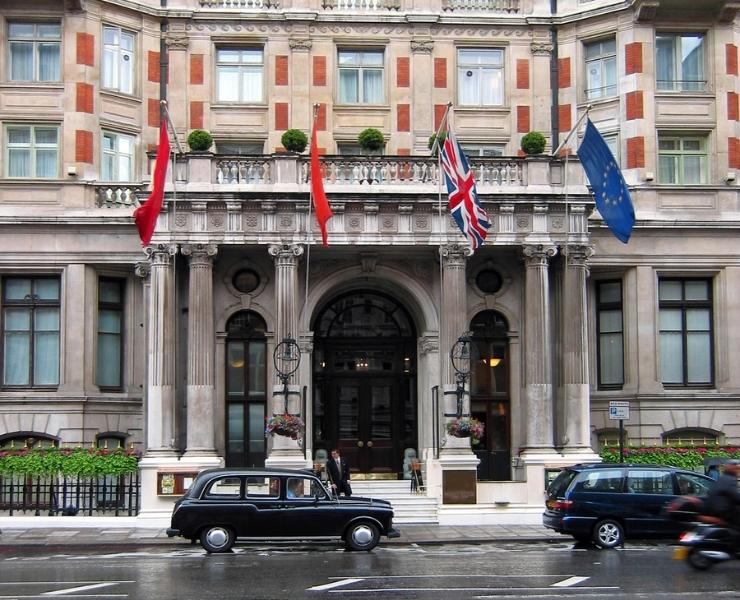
109,495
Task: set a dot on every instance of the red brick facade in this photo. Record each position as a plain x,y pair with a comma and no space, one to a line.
86,49
733,151
564,73
731,58
403,78
196,114
281,70
403,117
319,71
633,58
152,71
153,112
522,119
196,69
281,116
84,146
522,74
439,113
733,107
321,118
634,105
440,72
564,117
84,98
635,152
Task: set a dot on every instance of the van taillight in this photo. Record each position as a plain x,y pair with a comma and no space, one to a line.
559,504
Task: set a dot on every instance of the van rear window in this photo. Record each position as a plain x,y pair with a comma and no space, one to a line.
606,480
560,483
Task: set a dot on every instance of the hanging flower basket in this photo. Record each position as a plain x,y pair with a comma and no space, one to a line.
291,426
466,427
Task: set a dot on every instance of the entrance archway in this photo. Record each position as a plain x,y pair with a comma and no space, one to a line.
365,381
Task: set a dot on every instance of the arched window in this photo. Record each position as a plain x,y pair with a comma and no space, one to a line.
111,440
610,437
691,437
27,439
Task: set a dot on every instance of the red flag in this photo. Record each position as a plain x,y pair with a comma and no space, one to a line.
320,203
146,215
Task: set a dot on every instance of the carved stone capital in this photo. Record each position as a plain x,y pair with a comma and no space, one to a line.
538,255
422,46
142,269
454,255
200,253
300,44
541,48
577,255
428,344
285,253
176,40
161,254
647,10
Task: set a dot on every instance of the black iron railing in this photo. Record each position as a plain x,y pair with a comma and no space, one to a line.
106,495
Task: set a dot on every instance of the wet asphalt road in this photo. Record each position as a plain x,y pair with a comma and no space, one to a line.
320,572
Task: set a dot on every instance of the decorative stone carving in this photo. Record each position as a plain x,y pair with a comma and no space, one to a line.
368,262
422,46
142,269
181,220
422,222
577,255
647,10
252,221
300,44
285,252
199,253
388,223
176,40
428,344
160,254
455,254
538,255
541,48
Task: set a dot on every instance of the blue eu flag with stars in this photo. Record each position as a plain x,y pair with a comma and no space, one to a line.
610,190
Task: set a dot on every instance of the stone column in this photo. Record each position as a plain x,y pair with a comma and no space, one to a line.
538,388
201,422
541,51
302,113
575,351
421,66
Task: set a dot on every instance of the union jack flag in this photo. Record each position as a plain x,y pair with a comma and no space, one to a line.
463,200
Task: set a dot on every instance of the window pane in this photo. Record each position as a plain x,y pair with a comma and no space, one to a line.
671,358
666,67
20,30
372,84
46,163
19,163
693,168
610,292
692,62
349,86
46,289
593,76
46,358
110,70
698,358
670,290
228,56
696,290
670,320
109,321
372,58
21,61
17,319
610,321
349,58
19,135
256,428
127,73
257,370
251,56
491,87
46,319
17,289
236,428
468,86
235,369
668,169
611,365
252,86
49,62
109,360
110,35
228,84
16,353
51,31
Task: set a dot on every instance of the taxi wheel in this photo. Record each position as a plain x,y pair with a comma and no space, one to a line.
608,534
216,538
362,536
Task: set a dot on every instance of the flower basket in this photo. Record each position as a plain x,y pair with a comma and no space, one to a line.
288,425
466,427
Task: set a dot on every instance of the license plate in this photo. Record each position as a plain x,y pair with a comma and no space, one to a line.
680,553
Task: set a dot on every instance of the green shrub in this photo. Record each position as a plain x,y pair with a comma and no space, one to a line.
200,140
533,143
691,458
371,139
294,140
83,462
442,138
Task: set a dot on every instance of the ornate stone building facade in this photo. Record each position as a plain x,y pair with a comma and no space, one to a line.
171,349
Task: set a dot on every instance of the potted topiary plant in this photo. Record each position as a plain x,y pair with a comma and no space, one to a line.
200,140
433,137
371,140
533,143
294,140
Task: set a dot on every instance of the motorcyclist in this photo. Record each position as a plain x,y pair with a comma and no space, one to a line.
723,498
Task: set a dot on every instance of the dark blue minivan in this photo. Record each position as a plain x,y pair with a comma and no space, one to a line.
606,503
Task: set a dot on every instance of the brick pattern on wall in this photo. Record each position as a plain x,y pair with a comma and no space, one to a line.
440,72
319,71
633,58
281,70
733,151
153,112
733,106
403,77
403,117
196,69
522,74
86,49
439,113
321,118
196,114
152,71
403,151
634,105
522,119
84,98
281,116
564,117
731,58
564,72
84,146
635,152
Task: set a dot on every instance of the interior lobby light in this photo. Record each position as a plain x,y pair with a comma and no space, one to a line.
494,361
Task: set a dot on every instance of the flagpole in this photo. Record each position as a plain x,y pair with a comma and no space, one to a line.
309,233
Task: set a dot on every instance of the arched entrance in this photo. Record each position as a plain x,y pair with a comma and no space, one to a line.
490,398
365,381
246,385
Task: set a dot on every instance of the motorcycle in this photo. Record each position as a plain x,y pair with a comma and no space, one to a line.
708,544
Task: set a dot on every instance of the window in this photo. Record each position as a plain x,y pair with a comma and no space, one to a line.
606,480
649,482
30,331
267,487
682,159
692,485
610,334
35,50
483,150
612,142
361,77
118,60
680,62
110,441
225,487
245,147
110,333
20,440
601,69
690,437
118,157
32,151
609,438
239,75
685,332
480,77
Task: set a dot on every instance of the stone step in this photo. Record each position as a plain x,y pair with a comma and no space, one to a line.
407,507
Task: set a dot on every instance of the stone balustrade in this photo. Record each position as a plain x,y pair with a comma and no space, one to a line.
240,4
489,6
116,195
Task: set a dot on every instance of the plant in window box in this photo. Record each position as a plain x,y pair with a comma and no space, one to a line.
371,140
533,143
291,426
463,427
294,140
200,140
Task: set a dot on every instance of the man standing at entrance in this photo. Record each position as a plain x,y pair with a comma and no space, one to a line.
338,474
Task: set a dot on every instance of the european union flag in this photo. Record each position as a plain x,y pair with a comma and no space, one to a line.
610,190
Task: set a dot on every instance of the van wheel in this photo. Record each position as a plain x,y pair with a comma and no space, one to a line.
697,560
216,538
362,536
608,534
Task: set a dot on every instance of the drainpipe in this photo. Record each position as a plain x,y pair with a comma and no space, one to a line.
555,92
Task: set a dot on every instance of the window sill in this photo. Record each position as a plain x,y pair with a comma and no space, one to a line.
120,95
500,108
229,105
362,107
33,85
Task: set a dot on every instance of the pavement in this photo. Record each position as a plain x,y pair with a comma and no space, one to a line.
75,531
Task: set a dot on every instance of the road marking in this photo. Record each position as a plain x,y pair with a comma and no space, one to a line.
335,584
463,589
81,588
569,582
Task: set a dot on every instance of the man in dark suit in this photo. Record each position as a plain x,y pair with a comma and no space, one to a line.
338,471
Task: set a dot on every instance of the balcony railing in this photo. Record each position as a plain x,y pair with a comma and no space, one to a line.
490,6
240,4
116,195
361,5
